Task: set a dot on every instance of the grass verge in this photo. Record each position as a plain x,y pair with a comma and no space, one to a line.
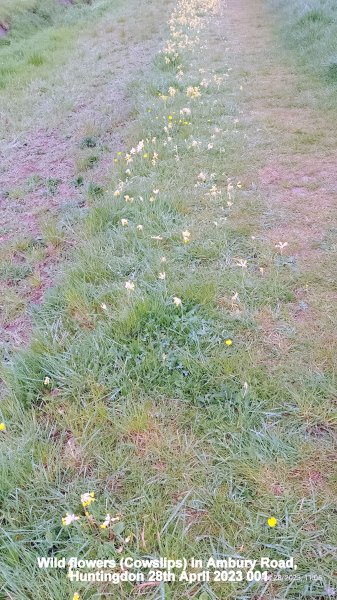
147,380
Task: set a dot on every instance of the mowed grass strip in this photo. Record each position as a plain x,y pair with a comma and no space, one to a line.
37,37
147,380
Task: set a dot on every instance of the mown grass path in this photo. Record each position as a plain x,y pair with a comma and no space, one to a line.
173,373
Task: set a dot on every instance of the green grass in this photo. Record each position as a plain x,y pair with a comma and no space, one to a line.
310,30
195,442
41,33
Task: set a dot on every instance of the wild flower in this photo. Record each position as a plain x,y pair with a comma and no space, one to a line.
241,263
185,111
172,91
228,342
104,306
69,518
108,521
76,596
46,381
87,498
2,427
177,301
281,246
130,286
140,227
124,222
193,92
156,237
186,236
162,275
128,198
163,259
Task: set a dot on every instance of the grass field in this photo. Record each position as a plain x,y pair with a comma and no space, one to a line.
168,371
309,30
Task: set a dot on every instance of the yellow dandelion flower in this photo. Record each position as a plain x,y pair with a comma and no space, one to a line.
272,522
2,427
76,596
228,342
145,155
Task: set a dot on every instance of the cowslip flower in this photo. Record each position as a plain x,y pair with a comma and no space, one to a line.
2,427
193,92
177,301
186,236
281,246
87,498
108,521
130,286
69,518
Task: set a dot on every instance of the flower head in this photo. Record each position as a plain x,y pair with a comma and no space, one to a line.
129,285
87,498
69,518
2,427
186,236
228,342
162,275
177,301
108,521
46,381
124,222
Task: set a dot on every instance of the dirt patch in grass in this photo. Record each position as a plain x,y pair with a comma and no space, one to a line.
4,29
